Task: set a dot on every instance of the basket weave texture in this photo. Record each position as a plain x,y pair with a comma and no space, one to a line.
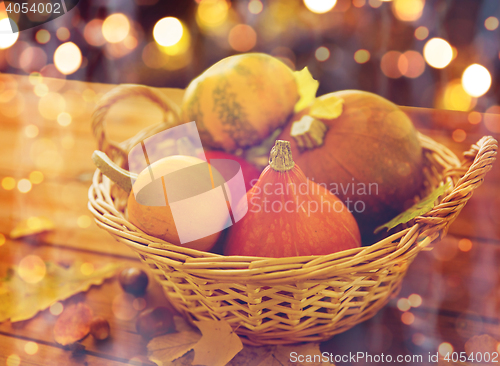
285,300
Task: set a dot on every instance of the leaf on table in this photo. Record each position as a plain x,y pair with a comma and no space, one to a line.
73,324
218,345
166,348
328,107
20,300
417,209
307,87
31,226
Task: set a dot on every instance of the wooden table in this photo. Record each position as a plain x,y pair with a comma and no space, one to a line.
460,290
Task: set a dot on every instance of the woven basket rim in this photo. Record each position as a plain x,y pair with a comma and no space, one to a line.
258,269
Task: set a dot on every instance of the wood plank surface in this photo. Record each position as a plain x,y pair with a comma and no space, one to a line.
460,290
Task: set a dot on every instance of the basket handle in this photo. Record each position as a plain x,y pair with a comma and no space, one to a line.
115,150
441,216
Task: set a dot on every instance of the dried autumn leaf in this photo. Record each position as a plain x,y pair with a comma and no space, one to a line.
31,226
307,87
218,345
20,300
327,107
164,349
73,324
419,208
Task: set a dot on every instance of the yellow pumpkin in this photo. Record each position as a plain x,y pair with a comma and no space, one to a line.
240,100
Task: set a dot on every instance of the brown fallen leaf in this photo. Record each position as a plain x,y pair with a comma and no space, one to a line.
73,324
163,350
166,348
31,226
218,345
20,300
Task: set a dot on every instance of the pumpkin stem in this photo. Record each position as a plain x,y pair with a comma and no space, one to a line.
309,132
280,158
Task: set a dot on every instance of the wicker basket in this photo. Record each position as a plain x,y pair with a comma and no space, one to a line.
285,300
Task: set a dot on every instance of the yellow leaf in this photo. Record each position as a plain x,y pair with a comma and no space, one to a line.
307,88
21,300
328,107
218,345
164,349
31,226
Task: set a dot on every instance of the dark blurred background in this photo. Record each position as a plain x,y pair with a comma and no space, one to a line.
434,53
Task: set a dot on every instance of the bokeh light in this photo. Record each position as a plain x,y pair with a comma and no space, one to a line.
31,348
361,56
93,33
24,185
64,119
320,6
358,3
438,53
42,36
474,118
8,183
411,64
408,10
415,300
139,304
322,54
476,80
122,307
445,348
63,34
454,97
421,33
403,304
32,269
84,221
242,38
56,308
375,3
31,131
115,28
389,64
36,177
458,135
407,318
51,105
465,245
168,31
255,6
418,339
212,13
492,119
7,38
2,239
32,58
13,360
491,23
67,58
41,90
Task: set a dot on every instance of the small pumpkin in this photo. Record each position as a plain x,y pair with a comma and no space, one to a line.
158,221
240,100
149,207
288,215
369,155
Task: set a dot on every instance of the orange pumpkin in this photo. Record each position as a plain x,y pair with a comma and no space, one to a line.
370,155
158,220
291,216
240,100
